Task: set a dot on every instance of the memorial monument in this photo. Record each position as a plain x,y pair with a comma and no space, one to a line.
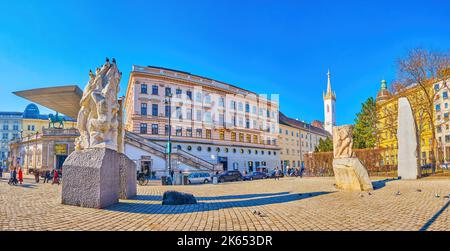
349,172
98,173
408,167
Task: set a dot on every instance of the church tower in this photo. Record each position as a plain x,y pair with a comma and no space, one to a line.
329,101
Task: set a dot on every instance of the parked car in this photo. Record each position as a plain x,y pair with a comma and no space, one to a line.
230,176
197,178
255,176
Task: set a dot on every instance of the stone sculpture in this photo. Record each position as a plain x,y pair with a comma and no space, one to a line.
98,173
408,167
99,117
349,172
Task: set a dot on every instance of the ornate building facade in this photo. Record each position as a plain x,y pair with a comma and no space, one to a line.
387,112
216,122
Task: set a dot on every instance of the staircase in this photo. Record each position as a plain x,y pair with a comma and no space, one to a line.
160,151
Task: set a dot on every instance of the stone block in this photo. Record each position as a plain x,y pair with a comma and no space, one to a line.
350,174
91,178
128,177
178,198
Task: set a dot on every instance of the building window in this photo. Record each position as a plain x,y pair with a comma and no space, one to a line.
247,107
241,107
438,107
241,137
155,110
255,138
168,91
179,131
199,148
155,129
208,117
189,132
178,92
208,133
16,126
198,97
445,95
178,112
5,127
167,111
189,94
221,102
249,138
221,135
233,136
233,105
144,109
154,89
143,128
198,133
144,88
247,123
199,115
166,130
5,136
221,119
189,148
436,87
189,113
207,99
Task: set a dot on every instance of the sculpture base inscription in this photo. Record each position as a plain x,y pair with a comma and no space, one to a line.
350,174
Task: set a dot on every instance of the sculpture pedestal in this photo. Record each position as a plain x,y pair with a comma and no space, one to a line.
128,177
351,175
92,178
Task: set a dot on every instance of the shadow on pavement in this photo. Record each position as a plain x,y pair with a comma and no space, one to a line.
434,218
225,197
382,183
143,208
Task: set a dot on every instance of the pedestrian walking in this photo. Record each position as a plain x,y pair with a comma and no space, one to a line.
13,176
20,174
36,176
47,176
1,172
55,177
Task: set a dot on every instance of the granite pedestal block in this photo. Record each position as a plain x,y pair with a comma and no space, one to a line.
91,178
351,175
128,177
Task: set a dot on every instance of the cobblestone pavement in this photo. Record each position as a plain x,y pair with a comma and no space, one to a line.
286,204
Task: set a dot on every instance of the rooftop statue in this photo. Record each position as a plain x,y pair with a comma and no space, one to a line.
100,116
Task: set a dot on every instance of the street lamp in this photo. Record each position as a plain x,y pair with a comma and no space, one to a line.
169,140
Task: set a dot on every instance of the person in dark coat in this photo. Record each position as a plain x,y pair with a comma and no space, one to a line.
36,176
1,172
47,176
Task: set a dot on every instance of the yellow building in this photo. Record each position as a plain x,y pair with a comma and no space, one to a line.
34,122
387,108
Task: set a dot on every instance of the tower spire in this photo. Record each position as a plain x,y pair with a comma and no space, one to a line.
329,82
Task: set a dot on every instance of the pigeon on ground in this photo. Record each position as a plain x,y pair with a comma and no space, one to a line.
361,195
369,193
398,193
419,190
437,195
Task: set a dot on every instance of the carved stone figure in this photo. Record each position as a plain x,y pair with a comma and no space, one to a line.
98,174
342,141
100,116
349,172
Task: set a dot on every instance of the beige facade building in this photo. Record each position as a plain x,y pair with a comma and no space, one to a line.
45,150
296,139
215,121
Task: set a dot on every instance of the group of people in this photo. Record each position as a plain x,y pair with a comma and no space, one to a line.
48,176
15,176
295,172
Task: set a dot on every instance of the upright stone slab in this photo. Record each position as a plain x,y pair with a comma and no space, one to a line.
128,177
408,167
91,178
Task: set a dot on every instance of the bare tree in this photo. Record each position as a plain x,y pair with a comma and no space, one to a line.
424,68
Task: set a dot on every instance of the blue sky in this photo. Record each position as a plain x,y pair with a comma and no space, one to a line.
266,46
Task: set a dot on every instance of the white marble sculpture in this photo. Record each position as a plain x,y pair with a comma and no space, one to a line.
349,172
100,116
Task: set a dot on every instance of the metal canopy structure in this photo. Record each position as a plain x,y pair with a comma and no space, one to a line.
63,99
